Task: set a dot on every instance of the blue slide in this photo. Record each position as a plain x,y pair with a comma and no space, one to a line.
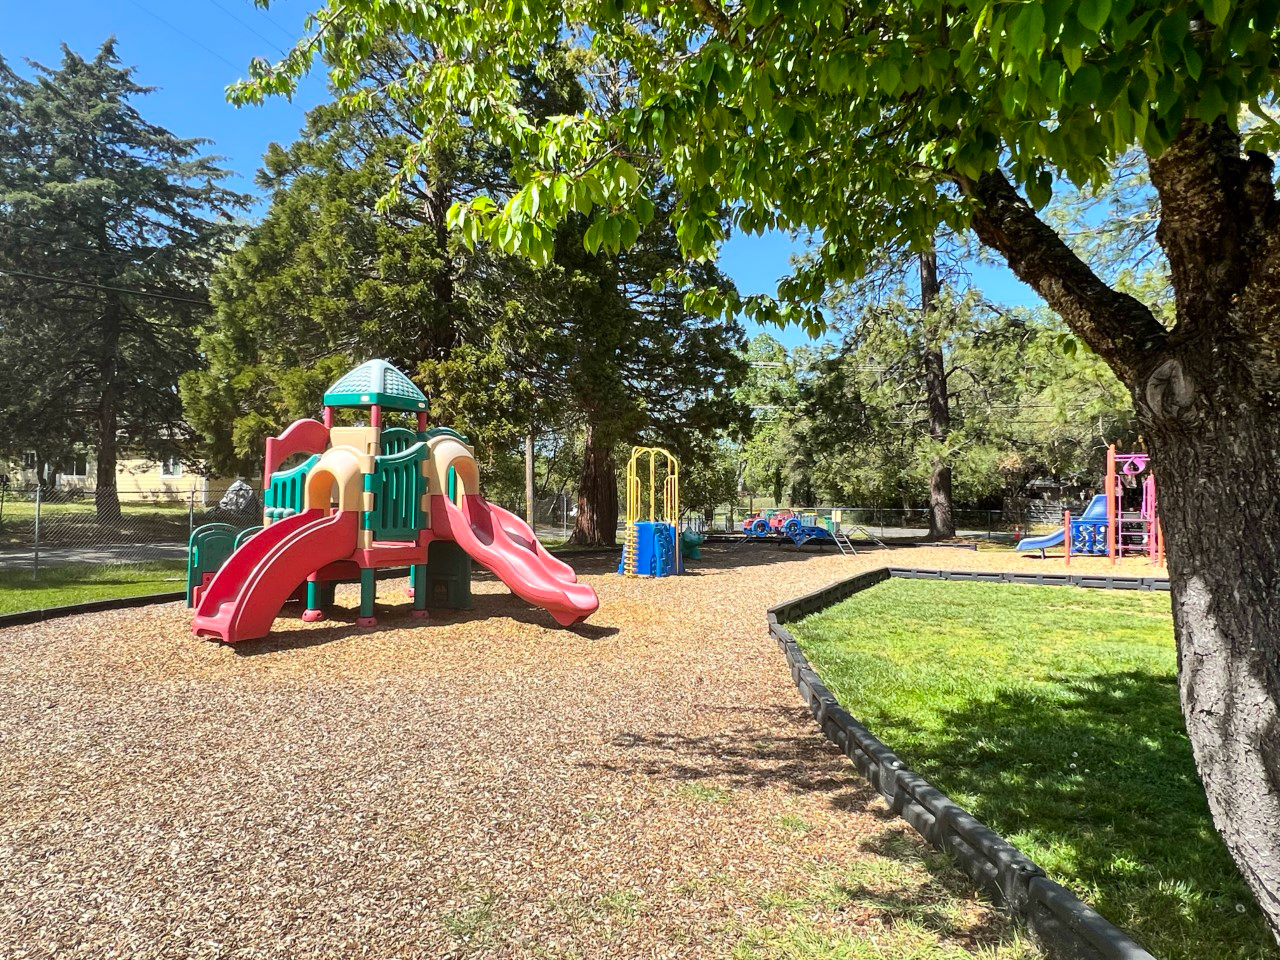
1097,510
1042,543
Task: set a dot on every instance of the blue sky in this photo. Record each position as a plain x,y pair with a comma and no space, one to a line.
192,49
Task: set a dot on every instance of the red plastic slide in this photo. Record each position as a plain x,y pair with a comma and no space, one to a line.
246,595
503,542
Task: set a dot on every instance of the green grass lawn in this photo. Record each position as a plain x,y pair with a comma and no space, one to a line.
1052,714
80,583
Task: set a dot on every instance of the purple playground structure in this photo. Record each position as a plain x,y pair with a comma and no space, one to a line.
1122,521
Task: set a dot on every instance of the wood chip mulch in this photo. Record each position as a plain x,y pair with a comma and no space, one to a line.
483,783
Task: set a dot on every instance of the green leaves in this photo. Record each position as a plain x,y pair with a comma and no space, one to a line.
1093,14
812,117
1216,11
1027,30
1086,85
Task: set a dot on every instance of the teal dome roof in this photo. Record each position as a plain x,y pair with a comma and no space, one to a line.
376,382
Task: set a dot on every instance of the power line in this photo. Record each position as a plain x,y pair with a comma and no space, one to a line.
102,286
208,50
273,21
182,33
271,43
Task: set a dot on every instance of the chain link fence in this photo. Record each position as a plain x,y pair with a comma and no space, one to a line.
46,528
41,528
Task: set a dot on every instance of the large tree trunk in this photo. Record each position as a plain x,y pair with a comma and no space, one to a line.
942,525
106,496
1207,394
1219,483
597,524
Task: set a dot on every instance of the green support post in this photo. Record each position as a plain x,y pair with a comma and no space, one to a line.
418,577
368,591
315,602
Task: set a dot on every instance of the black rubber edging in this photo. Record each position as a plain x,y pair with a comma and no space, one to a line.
1067,927
92,606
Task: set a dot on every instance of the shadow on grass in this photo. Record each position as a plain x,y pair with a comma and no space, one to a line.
1098,785
926,891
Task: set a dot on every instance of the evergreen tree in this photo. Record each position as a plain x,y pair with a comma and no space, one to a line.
327,280
109,228
598,343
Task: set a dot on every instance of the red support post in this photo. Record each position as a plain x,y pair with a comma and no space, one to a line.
1113,503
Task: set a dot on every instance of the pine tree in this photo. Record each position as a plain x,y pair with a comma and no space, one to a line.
109,228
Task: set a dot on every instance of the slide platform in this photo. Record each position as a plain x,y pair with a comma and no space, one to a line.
503,543
246,595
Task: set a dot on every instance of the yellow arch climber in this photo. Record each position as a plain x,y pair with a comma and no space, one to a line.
664,510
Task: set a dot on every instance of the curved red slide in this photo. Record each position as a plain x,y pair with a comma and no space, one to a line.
519,531
503,543
246,595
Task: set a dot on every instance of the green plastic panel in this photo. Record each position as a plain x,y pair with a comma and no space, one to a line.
397,440
207,551
398,486
287,492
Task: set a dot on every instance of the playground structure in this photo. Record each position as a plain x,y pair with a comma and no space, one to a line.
800,528
654,547
368,498
1121,521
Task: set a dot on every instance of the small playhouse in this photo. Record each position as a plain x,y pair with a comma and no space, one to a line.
363,498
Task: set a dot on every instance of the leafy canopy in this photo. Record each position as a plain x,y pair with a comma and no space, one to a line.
854,120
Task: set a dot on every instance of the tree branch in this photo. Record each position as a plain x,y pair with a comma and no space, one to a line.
1118,327
1218,216
715,17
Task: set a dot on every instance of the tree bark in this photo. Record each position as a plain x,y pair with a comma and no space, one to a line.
1219,483
106,495
597,523
942,525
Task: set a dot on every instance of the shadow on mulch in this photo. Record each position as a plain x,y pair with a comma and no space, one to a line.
343,623
750,753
